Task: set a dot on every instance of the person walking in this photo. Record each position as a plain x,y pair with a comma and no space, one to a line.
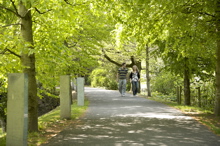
121,78
134,79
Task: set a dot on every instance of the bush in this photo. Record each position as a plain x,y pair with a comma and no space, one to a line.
101,77
112,85
165,83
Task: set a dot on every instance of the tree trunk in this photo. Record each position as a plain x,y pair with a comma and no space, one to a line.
217,95
28,63
138,64
186,85
147,71
199,96
178,94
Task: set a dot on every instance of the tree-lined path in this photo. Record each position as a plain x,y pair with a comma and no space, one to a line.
120,121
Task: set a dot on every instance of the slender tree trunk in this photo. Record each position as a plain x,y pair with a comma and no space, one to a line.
199,96
138,64
180,94
147,71
28,63
186,85
217,96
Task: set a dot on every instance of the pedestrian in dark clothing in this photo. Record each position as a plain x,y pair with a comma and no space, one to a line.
121,78
134,79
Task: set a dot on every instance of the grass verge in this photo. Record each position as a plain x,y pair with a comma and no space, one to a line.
205,117
2,139
50,125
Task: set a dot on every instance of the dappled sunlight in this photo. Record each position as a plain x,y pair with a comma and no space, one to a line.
129,131
95,90
155,115
121,121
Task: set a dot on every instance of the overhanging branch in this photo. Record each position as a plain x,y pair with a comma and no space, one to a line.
16,10
67,2
11,52
10,25
204,13
112,61
10,10
42,12
116,63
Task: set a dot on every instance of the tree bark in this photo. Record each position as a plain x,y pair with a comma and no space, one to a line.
186,84
217,94
28,63
147,72
178,94
199,96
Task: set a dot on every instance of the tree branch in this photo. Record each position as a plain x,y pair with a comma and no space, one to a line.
204,13
69,46
116,63
112,61
42,12
10,25
67,2
109,59
16,10
11,11
11,52
3,51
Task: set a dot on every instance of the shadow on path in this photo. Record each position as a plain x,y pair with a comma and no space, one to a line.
123,121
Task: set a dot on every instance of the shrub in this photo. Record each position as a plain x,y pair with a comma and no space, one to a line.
101,77
165,83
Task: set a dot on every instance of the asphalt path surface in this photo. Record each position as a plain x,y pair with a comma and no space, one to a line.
112,120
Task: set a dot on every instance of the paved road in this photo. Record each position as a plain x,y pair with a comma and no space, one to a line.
112,120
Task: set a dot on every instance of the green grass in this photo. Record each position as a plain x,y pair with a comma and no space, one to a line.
50,124
2,138
205,117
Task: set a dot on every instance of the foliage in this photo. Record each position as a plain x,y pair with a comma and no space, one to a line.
65,41
104,77
165,83
207,90
184,33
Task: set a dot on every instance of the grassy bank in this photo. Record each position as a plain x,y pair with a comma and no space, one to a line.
205,117
2,138
50,125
